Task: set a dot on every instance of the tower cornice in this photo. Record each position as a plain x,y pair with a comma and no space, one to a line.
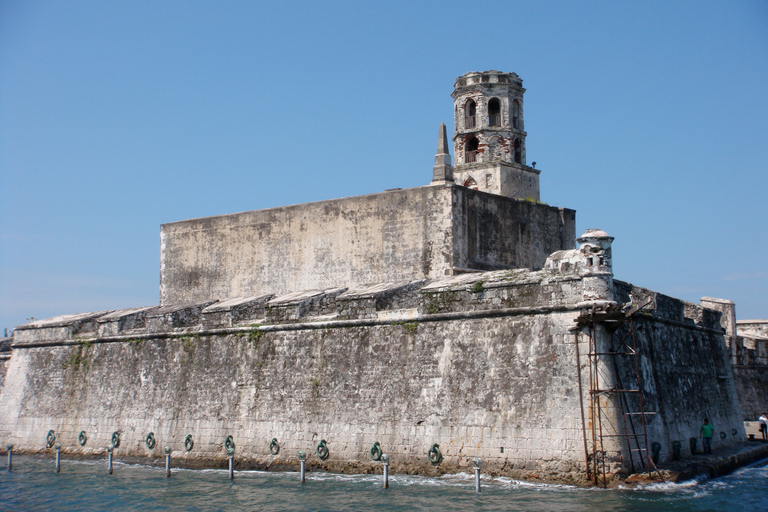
489,130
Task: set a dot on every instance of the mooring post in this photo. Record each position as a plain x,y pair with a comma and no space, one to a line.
231,454
477,462
168,461
109,460
10,453
303,462
385,461
58,457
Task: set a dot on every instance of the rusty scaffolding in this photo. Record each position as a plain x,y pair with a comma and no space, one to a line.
611,401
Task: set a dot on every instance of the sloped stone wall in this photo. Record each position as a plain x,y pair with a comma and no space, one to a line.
475,387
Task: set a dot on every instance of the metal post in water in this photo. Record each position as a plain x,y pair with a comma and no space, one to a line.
477,462
109,460
58,457
168,461
385,460
10,453
303,462
231,453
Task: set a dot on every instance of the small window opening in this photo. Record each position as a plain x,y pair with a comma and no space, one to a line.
515,114
470,152
469,114
470,183
518,152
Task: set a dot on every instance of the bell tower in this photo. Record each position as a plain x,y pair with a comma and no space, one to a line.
489,135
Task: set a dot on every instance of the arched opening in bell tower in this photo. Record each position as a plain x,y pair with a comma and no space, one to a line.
470,150
518,152
515,114
470,108
494,112
470,183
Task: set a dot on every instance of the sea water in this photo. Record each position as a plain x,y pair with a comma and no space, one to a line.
33,485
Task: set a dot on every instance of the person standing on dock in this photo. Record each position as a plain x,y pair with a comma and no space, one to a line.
706,432
764,425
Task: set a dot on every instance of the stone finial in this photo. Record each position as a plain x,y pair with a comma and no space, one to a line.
442,172
442,142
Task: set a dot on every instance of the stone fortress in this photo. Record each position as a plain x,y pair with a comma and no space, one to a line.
442,323
421,233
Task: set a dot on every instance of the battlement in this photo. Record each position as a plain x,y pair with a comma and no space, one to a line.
476,294
474,78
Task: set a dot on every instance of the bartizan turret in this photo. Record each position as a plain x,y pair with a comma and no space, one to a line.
592,261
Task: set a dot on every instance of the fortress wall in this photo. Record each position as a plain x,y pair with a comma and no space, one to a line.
685,371
473,387
758,327
395,235
752,390
418,233
492,232
498,387
750,367
482,364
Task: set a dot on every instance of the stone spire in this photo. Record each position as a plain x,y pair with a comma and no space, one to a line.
442,172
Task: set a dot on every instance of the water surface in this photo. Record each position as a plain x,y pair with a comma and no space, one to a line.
33,485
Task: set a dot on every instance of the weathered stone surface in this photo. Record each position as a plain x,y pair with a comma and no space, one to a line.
419,233
60,327
684,372
474,386
176,316
751,382
236,311
747,342
749,351
124,321
5,355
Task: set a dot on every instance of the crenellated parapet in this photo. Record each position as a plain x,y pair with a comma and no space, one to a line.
494,292
565,285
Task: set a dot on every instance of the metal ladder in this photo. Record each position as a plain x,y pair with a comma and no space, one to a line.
626,403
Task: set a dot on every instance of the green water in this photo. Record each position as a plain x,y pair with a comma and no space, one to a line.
33,485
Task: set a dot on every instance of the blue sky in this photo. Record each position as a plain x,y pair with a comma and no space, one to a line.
650,119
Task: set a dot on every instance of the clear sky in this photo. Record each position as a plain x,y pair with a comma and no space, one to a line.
650,119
